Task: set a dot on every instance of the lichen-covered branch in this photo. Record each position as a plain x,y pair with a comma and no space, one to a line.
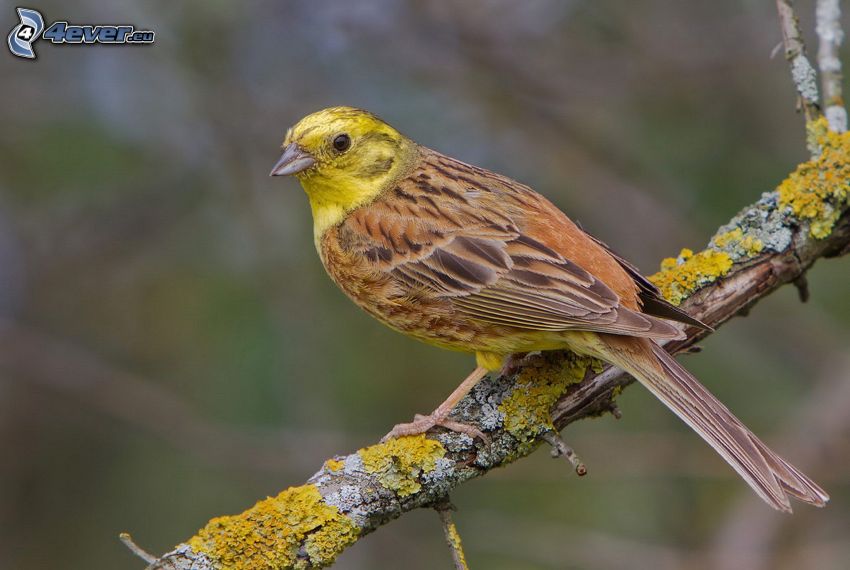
830,36
452,535
768,244
802,73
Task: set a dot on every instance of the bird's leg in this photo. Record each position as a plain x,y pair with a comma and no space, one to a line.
514,362
439,417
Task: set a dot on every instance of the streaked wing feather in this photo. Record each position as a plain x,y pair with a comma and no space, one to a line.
477,259
652,302
519,282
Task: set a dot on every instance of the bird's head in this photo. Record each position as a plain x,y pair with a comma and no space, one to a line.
343,157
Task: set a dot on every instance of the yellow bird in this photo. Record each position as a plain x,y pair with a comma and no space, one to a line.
466,259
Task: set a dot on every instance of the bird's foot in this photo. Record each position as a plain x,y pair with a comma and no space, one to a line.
514,362
422,424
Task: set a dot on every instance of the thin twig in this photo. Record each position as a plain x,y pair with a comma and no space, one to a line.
136,549
802,72
561,449
802,285
830,36
444,509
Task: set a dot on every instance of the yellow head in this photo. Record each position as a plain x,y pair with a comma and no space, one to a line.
344,158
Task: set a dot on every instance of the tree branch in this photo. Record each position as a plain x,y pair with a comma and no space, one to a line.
830,36
802,73
444,509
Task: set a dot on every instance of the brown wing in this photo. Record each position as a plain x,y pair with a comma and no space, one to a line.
541,290
449,239
651,300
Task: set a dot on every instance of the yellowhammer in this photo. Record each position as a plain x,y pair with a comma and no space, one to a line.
466,259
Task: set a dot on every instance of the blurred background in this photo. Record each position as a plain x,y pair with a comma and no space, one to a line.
171,349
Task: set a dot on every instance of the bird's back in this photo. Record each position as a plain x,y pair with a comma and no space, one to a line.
370,254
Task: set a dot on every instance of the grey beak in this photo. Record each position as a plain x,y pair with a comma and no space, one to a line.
293,160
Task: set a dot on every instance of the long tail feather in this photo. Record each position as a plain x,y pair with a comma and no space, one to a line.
770,476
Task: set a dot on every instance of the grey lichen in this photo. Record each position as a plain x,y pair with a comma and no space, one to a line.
805,78
346,498
182,558
483,402
455,441
836,116
353,465
439,481
761,223
350,500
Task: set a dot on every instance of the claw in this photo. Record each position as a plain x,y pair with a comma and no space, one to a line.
422,424
516,361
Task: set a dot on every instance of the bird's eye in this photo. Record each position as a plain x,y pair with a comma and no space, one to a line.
342,142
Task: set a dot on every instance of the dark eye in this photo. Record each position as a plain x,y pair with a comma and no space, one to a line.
342,142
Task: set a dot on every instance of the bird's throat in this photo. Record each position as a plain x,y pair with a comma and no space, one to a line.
333,197
326,214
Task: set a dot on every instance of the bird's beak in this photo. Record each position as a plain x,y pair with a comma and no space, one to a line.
293,160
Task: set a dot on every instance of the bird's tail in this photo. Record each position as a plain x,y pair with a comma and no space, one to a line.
770,476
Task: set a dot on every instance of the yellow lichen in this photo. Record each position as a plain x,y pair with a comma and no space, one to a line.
399,462
752,245
527,410
334,465
679,277
736,240
815,192
453,537
724,240
818,189
271,534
